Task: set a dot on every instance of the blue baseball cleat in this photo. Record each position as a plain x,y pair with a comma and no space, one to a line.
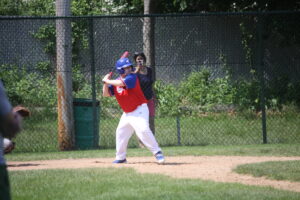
160,157
120,161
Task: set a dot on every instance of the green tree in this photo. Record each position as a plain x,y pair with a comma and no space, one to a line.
10,7
96,7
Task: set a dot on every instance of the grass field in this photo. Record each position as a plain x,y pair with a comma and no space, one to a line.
288,170
126,184
123,183
202,136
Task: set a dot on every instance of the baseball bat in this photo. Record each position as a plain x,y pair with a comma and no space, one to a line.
125,54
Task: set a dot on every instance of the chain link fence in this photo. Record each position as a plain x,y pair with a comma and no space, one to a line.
221,78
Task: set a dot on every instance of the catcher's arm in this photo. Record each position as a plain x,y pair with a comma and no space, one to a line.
10,122
10,125
8,145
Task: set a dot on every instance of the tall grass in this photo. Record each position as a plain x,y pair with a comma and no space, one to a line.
40,134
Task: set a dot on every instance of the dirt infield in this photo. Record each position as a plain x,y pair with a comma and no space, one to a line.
214,168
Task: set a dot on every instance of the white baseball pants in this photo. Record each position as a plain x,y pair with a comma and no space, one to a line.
138,121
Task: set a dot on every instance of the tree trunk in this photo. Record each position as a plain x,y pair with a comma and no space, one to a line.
148,43
64,76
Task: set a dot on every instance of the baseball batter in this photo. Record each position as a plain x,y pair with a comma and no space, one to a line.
135,117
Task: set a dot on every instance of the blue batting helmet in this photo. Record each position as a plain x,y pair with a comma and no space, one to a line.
122,63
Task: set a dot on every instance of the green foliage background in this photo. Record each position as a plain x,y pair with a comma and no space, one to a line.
200,93
95,7
197,94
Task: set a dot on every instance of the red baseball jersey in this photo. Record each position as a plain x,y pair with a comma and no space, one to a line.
129,96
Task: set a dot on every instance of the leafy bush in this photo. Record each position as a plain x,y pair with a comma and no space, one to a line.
283,91
29,88
168,98
200,93
37,89
247,95
197,94
203,93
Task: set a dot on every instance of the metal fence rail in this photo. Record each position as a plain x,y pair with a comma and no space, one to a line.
221,78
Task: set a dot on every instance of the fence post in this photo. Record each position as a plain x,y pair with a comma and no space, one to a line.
261,74
93,74
178,130
149,44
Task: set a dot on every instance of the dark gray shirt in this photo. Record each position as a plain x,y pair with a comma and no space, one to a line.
5,108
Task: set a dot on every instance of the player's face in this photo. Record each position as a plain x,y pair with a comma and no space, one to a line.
127,70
